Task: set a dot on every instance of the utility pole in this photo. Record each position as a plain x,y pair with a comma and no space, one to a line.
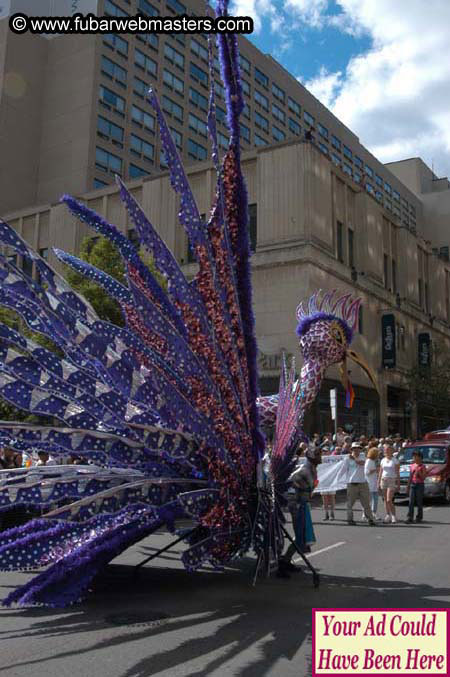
333,405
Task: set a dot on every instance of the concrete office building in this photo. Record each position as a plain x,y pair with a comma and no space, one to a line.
311,227
324,211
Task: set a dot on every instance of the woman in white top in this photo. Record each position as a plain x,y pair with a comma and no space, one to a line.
389,481
371,475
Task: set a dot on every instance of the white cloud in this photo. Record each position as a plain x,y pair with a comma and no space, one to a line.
325,86
396,96
311,12
257,9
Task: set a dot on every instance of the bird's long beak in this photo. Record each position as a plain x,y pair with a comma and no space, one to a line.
363,364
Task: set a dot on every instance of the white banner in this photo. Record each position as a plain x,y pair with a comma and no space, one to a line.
332,474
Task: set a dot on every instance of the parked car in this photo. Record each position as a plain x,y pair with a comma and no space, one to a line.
435,448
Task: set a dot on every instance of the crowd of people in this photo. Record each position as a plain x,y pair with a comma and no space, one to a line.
10,459
373,470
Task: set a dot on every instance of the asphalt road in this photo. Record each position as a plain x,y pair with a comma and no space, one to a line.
170,623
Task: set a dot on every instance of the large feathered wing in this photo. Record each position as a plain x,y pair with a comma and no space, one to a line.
165,405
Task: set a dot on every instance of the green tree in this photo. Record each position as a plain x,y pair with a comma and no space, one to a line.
101,253
430,387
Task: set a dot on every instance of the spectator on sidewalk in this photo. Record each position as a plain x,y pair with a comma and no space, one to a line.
389,481
371,475
416,486
357,487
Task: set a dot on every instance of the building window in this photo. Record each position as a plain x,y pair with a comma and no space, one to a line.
198,99
246,111
140,87
360,320
420,281
261,121
278,113
197,125
294,127
394,276
339,241
294,106
261,99
356,176
347,152
172,108
387,188
146,8
221,115
173,56
144,62
142,118
113,10
351,250
259,141
426,298
324,149
378,180
370,188
99,184
252,226
198,74
219,90
347,169
335,142
171,81
336,159
278,134
108,162
308,118
323,131
199,50
116,42
177,138
369,171
222,140
150,39
108,130
245,64
358,162
135,172
245,132
196,151
386,271
142,148
277,92
176,6
261,78
114,71
43,253
396,195
245,87
112,101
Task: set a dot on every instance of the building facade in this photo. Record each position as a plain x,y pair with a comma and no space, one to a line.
311,227
74,113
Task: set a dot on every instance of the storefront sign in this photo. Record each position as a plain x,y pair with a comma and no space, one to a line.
388,359
424,345
273,362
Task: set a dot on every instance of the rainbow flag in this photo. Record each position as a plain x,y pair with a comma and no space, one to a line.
349,396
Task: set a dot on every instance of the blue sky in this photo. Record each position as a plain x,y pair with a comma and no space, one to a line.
312,48
382,70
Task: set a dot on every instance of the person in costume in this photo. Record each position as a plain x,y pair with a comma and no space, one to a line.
304,479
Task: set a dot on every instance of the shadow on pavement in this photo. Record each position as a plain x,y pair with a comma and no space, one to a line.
275,615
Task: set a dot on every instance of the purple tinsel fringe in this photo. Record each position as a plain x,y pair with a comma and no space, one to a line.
305,324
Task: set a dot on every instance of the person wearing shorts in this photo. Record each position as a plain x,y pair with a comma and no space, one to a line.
389,481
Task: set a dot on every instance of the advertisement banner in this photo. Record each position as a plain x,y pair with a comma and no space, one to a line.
388,347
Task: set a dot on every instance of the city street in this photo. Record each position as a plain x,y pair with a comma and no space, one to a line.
171,623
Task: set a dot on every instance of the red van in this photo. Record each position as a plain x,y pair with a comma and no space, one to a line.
435,448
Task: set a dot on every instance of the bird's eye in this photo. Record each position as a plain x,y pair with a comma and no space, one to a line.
338,335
